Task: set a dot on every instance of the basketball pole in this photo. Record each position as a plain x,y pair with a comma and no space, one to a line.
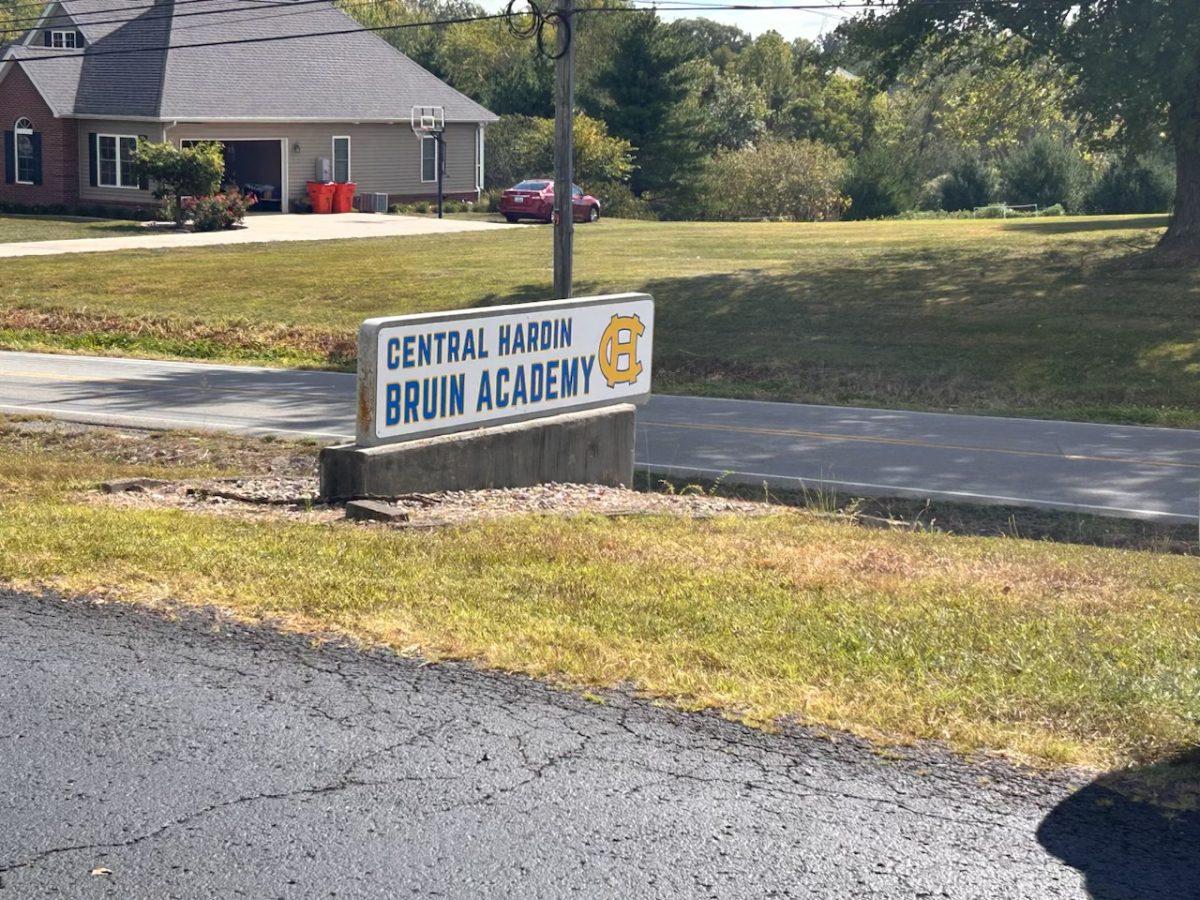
564,134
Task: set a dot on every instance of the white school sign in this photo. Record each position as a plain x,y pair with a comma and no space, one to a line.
424,375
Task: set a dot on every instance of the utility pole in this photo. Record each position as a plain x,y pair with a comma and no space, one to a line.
564,128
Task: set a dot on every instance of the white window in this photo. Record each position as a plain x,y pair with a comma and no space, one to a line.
26,164
479,158
114,160
62,40
429,158
341,159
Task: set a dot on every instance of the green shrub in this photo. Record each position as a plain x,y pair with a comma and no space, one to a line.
218,211
969,184
1142,185
1046,170
879,184
175,173
1056,209
776,179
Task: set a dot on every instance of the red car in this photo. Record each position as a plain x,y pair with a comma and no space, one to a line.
534,199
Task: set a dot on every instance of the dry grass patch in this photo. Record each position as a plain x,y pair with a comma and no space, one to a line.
1058,653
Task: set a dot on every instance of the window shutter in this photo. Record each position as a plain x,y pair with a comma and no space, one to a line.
79,40
46,38
93,162
10,158
143,182
36,139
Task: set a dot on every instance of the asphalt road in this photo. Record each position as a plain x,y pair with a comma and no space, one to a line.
196,758
1149,473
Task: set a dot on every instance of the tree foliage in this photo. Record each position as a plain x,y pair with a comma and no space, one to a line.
523,147
777,179
193,171
1134,63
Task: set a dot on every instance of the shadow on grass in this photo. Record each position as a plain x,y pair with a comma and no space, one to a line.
1133,834
1071,225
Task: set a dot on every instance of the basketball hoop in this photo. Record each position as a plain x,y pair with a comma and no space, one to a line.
428,121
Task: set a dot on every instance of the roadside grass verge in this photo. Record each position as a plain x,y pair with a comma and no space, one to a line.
1062,319
14,228
1047,652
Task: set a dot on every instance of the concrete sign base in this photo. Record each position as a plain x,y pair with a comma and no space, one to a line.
592,447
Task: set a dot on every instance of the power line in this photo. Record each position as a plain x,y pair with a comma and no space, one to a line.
172,15
264,39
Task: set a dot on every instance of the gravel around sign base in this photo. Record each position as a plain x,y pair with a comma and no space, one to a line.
296,499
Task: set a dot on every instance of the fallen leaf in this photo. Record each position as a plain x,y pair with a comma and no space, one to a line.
100,870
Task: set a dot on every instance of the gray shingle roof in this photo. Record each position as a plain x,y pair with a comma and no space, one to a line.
348,77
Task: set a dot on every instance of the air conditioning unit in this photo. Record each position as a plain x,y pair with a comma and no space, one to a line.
372,203
324,172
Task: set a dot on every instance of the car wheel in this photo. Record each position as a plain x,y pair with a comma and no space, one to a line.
593,214
510,217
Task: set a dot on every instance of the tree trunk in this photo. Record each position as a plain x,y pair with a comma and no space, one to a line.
1183,234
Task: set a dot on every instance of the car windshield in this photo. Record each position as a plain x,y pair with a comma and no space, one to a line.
532,186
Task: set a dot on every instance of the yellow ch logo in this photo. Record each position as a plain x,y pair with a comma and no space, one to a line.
619,351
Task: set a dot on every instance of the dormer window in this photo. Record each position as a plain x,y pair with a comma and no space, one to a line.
63,40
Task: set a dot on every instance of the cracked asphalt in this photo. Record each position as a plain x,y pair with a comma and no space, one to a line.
193,757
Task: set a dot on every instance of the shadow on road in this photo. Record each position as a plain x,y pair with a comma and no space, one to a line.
1134,834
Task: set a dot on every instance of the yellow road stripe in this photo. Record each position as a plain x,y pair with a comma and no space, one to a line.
55,376
930,445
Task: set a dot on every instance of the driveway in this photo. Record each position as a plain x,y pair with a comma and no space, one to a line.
264,228
144,757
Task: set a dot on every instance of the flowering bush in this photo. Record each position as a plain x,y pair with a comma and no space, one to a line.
218,211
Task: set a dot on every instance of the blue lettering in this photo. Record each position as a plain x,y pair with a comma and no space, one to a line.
518,342
519,391
502,375
458,385
393,353
547,332
392,416
532,339
537,382
452,340
505,337
483,354
552,379
408,351
565,329
468,348
485,392
424,349
587,362
570,378
412,397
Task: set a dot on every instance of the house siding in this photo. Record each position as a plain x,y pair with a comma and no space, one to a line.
383,158
19,98
110,196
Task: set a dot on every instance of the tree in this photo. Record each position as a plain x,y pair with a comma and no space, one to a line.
797,180
642,95
1046,170
1132,62
194,171
523,147
705,39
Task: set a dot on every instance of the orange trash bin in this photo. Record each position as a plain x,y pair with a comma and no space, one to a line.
321,196
343,197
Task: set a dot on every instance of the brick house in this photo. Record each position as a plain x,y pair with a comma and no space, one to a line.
288,104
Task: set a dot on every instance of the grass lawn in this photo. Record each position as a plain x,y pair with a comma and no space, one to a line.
1062,318
1059,653
14,229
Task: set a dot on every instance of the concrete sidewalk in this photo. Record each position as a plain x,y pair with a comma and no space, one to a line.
261,229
